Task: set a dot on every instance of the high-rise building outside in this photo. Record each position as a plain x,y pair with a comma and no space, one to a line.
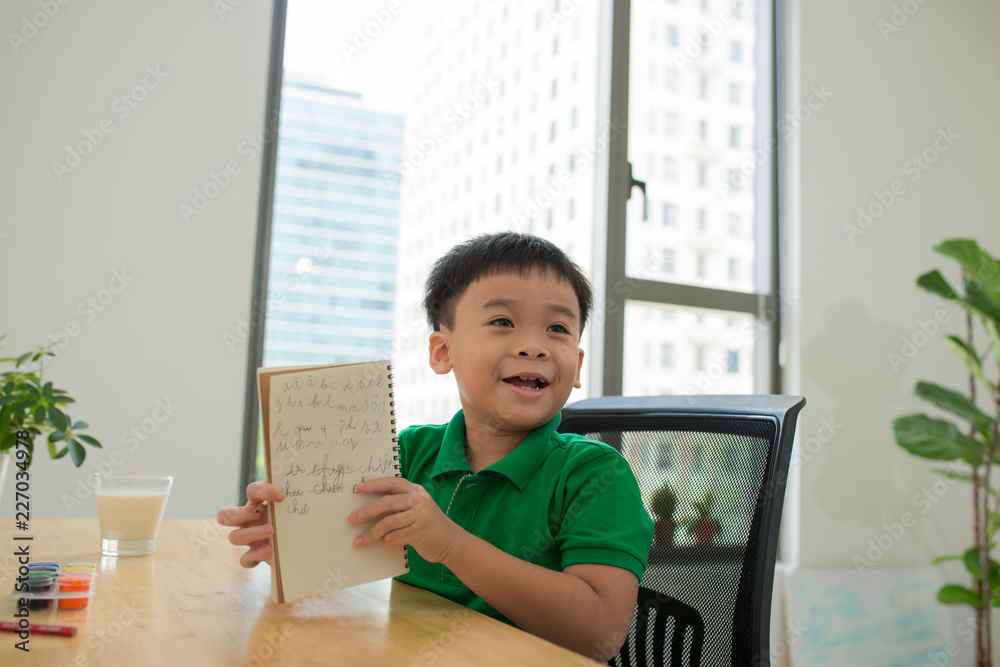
503,135
335,227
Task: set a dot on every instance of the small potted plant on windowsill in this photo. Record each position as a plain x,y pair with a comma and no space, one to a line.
663,503
704,526
31,407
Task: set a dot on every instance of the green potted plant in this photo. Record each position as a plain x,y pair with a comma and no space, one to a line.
971,440
31,407
662,503
704,526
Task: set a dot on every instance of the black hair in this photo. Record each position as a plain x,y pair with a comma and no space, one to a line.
491,254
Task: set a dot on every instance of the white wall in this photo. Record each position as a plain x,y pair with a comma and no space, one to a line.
856,298
157,337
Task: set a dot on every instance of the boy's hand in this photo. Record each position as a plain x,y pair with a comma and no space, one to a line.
252,527
412,517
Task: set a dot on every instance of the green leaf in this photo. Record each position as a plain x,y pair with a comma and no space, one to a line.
58,418
942,559
61,453
975,567
936,439
52,449
39,414
970,358
993,331
7,440
955,594
64,400
5,413
56,436
957,476
954,402
77,453
80,425
23,358
47,390
935,283
982,275
975,261
992,522
89,440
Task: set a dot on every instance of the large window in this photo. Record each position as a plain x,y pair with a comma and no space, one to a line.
406,128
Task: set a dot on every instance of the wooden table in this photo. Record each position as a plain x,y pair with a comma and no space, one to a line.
192,604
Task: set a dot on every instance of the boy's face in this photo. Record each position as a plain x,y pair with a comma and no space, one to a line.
508,327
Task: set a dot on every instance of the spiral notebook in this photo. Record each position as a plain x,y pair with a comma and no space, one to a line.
326,428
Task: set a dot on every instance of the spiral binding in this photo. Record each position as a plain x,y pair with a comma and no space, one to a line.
395,449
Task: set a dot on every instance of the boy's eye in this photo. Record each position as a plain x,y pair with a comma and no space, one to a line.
502,322
558,328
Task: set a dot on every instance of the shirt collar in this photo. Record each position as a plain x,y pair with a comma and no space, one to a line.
518,466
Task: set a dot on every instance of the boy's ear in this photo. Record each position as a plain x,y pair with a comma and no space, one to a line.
440,352
579,365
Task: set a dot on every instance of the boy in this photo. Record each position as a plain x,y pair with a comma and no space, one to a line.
501,513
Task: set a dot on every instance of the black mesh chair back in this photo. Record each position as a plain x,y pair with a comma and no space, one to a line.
728,455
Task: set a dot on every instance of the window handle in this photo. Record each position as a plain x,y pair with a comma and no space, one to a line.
636,183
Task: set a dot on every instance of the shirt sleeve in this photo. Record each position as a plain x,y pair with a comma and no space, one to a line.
604,520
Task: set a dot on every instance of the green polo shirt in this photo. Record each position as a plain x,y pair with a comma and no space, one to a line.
557,500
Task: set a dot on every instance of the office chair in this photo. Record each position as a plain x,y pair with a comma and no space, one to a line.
729,455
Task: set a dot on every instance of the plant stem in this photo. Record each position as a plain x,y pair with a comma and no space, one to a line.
976,581
979,515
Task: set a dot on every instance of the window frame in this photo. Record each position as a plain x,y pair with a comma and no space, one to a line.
614,288
614,183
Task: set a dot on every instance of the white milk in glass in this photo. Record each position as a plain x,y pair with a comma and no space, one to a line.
130,515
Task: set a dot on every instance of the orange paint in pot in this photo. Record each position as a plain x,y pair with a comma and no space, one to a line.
75,582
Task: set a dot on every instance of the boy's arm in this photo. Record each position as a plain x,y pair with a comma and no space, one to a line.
586,607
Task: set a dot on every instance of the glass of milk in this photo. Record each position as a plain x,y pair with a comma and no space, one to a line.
129,509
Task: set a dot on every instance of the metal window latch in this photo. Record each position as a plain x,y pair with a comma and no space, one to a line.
635,183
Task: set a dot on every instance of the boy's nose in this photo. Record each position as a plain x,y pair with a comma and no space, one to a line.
531,349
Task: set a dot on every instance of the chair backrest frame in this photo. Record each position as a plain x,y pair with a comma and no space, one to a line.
757,578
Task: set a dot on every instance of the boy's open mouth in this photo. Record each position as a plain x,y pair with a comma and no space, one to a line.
526,382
